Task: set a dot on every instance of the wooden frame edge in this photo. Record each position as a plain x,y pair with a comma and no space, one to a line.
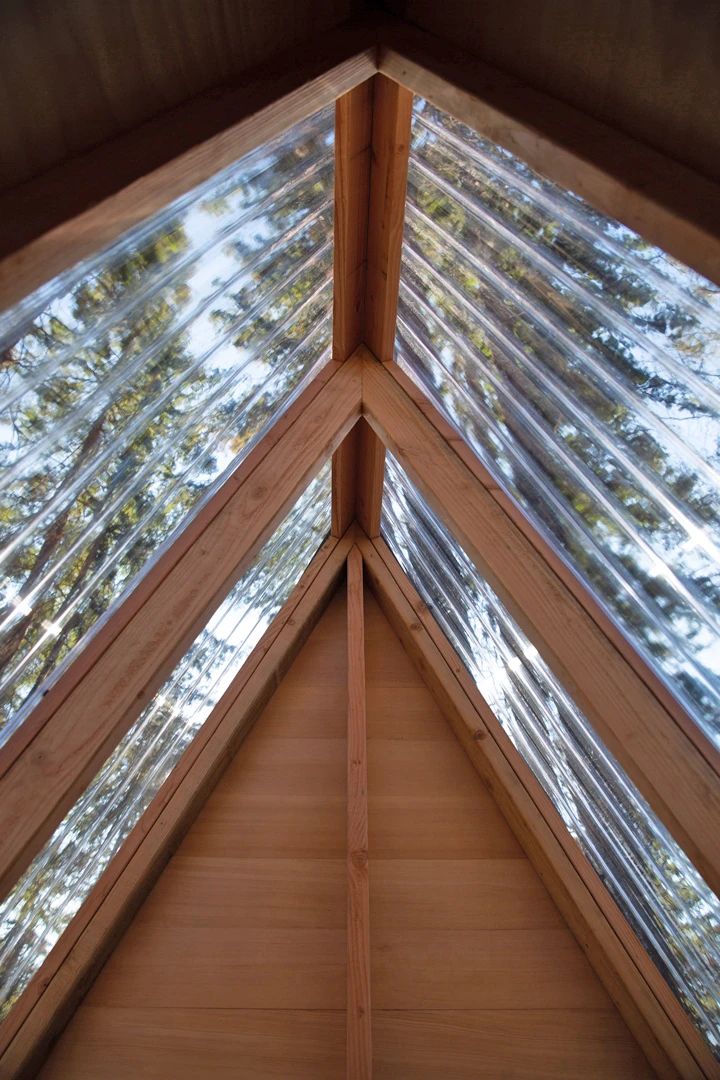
51,997
667,203
45,776
80,206
652,1012
679,781
106,629
571,580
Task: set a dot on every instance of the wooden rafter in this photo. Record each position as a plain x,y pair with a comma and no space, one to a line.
77,737
679,780
77,208
667,203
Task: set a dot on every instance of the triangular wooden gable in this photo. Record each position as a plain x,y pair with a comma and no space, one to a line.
237,961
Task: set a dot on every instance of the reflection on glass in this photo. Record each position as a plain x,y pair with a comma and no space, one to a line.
134,382
583,366
56,884
672,910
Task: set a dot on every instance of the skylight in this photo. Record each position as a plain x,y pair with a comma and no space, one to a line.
672,910
582,365
62,875
134,383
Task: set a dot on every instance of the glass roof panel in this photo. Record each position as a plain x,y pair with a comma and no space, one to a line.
670,907
582,364
132,384
59,880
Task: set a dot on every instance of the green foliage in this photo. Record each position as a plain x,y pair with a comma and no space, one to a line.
575,375
132,391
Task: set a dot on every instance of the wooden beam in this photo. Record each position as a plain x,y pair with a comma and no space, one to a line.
360,462
370,479
344,473
569,578
42,782
78,208
53,994
666,203
359,1017
353,133
392,113
676,775
669,1039
104,632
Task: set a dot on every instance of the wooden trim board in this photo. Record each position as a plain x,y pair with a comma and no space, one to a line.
359,1016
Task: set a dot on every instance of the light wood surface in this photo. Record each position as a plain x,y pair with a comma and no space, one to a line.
392,110
471,930
370,476
78,72
353,134
78,207
74,741
54,992
238,956
648,1005
678,779
643,68
186,1044
359,1035
515,1044
668,203
344,473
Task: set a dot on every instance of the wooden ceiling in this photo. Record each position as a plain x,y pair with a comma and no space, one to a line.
74,73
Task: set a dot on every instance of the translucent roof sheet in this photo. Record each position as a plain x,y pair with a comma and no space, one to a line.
134,383
672,910
62,875
583,366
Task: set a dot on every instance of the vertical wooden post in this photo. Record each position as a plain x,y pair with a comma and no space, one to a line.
392,115
359,1017
353,131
